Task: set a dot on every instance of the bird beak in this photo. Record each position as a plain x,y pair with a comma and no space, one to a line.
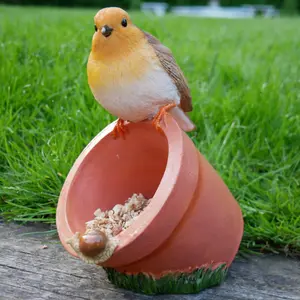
106,31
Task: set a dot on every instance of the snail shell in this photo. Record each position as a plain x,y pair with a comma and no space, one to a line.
92,243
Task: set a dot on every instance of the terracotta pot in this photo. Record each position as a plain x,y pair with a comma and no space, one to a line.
192,220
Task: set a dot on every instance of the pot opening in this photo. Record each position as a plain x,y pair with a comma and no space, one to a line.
114,170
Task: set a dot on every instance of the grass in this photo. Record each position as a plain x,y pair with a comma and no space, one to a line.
245,81
190,283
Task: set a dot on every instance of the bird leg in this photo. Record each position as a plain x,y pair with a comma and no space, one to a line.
119,129
160,115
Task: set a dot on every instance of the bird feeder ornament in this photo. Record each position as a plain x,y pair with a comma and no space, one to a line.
185,238
148,207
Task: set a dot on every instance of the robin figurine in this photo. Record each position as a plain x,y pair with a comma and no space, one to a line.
133,76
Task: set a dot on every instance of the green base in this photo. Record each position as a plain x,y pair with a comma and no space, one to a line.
182,283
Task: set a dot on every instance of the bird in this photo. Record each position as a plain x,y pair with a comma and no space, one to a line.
133,76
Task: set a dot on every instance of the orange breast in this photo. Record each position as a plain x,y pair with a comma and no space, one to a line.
121,70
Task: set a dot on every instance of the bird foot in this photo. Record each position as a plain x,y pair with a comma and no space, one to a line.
119,129
160,116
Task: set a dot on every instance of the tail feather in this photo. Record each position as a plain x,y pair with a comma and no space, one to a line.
182,119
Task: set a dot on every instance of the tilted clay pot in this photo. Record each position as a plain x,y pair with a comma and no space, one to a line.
192,222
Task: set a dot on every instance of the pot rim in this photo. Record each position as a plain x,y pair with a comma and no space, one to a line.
150,229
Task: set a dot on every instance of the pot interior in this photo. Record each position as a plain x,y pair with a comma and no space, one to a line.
116,169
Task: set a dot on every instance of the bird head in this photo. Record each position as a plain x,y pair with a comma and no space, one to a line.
115,34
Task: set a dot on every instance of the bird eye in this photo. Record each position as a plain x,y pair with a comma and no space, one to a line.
95,27
124,22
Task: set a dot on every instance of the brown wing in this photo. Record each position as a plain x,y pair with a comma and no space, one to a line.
168,62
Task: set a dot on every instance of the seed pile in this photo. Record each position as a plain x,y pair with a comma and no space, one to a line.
111,222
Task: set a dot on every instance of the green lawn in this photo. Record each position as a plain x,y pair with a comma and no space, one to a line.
245,81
